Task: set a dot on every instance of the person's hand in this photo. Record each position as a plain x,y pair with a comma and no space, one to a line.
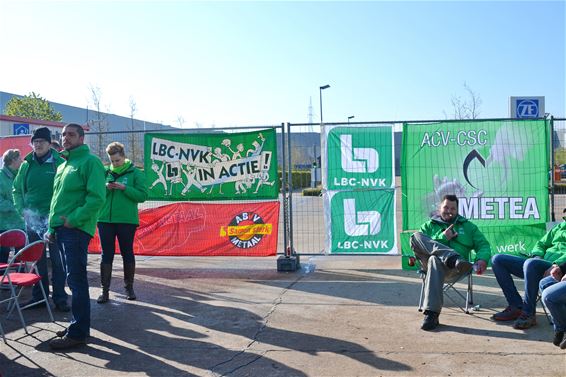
449,233
66,223
49,237
563,278
556,273
119,186
481,266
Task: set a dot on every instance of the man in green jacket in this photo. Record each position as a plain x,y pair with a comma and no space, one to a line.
79,193
549,251
443,247
9,217
33,189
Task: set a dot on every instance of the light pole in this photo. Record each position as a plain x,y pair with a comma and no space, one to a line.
350,117
320,93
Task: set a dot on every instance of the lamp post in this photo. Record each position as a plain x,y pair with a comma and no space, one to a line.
350,117
320,93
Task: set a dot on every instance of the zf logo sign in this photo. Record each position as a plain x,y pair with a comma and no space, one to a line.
528,108
361,223
357,160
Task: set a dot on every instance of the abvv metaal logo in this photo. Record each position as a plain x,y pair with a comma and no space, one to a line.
527,108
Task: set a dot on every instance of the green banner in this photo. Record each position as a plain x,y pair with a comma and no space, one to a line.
215,166
360,158
359,200
498,170
362,222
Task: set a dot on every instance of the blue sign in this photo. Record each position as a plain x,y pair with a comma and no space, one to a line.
21,129
527,108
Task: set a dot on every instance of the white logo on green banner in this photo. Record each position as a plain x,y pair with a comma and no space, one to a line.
357,221
362,223
360,157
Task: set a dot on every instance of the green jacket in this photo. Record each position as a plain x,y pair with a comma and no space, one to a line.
122,206
33,186
78,190
552,246
469,237
9,217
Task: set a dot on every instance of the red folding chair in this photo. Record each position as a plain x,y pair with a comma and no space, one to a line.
15,239
17,281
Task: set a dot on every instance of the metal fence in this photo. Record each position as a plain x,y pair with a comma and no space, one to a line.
302,224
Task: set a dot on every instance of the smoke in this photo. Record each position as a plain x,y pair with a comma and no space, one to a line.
36,222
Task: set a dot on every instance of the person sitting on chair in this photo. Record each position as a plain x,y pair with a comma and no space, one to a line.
553,289
549,250
443,247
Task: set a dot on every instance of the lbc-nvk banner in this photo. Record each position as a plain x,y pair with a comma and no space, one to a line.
497,169
359,195
212,166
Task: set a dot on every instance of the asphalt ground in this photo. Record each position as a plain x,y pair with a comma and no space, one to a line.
337,316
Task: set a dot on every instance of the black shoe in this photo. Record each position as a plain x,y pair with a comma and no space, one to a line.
62,307
430,320
563,344
33,304
66,342
558,336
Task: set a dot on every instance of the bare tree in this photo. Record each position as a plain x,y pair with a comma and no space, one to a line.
132,135
180,121
98,125
467,107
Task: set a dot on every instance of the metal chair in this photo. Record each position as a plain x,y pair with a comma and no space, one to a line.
17,281
15,239
448,288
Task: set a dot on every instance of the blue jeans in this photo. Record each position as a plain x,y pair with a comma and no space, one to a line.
554,297
532,270
74,246
57,272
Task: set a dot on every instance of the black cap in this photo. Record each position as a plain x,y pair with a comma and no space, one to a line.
41,133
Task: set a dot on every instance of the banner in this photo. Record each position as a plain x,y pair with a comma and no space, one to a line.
498,170
217,166
359,200
205,229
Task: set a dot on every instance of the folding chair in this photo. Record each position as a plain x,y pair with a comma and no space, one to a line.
448,288
16,281
15,239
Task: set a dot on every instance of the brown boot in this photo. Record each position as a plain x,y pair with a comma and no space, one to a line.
129,272
105,277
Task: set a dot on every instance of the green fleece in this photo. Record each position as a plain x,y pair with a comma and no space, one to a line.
552,246
78,191
469,237
33,186
122,206
9,217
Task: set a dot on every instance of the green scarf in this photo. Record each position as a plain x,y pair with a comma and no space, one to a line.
122,168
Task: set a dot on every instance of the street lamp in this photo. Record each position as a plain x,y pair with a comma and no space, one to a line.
320,93
350,117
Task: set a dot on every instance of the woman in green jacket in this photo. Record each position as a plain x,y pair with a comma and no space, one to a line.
125,188
9,217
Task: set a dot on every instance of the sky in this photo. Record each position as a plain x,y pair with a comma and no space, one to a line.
261,63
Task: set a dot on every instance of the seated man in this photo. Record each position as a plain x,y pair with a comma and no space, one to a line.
551,248
553,290
443,247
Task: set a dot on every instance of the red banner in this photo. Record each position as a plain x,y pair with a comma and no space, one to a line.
200,229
